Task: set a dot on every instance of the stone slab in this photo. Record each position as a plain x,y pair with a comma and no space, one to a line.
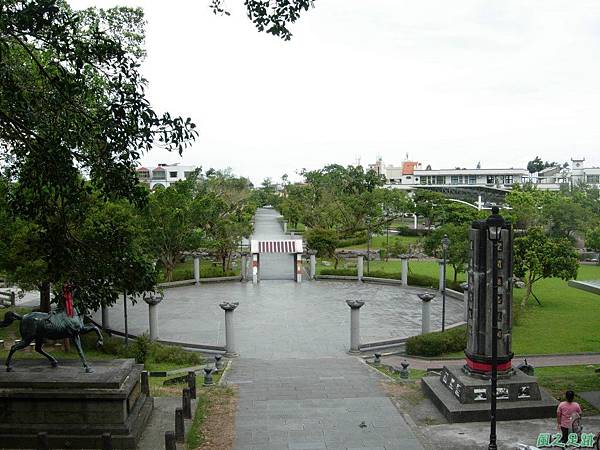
454,411
592,397
70,374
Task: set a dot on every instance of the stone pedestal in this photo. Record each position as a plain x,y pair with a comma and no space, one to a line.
73,408
255,268
243,268
360,267
355,306
230,347
464,398
313,266
425,317
153,299
197,270
404,261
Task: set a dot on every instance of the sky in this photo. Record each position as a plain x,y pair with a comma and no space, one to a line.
450,84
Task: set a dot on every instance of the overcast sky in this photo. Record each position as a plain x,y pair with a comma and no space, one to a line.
449,83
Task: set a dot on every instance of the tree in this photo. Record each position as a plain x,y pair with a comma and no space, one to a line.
526,205
72,100
592,239
173,223
458,250
323,241
269,16
429,205
537,256
537,165
564,216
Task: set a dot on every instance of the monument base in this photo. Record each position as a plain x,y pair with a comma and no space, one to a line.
73,407
463,398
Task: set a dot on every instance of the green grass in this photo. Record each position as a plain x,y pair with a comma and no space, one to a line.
378,242
208,269
194,435
413,374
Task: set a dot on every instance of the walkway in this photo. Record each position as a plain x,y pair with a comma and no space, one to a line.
273,266
309,402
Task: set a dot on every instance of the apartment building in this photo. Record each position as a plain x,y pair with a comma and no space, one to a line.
164,174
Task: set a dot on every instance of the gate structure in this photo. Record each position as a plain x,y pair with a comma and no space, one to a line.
292,247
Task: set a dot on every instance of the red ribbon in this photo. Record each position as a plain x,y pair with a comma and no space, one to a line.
68,295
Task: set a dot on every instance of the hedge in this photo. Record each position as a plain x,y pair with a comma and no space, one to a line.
414,279
405,231
438,343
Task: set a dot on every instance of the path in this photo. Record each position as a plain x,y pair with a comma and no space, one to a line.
273,266
535,361
309,402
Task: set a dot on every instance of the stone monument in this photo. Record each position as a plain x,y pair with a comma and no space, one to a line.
463,393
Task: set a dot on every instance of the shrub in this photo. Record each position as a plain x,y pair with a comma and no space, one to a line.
322,240
438,343
341,272
403,230
140,348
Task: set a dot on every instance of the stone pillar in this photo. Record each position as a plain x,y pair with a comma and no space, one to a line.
415,221
254,268
285,227
404,261
355,306
298,267
230,348
441,275
243,264
313,266
153,299
426,313
360,267
197,269
105,318
465,288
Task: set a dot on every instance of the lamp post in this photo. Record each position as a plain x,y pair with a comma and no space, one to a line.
494,228
445,245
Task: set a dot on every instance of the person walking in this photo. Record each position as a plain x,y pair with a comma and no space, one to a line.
567,415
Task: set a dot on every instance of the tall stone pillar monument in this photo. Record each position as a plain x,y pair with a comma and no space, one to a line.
463,393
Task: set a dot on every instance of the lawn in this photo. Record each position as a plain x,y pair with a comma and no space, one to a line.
378,242
576,378
208,269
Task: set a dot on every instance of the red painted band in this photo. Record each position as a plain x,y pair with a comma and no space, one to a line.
485,367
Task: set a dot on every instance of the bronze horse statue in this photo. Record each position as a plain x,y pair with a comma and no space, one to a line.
62,324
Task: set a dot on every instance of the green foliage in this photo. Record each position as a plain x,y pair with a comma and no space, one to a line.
323,241
537,256
438,343
592,238
458,250
429,205
72,100
141,348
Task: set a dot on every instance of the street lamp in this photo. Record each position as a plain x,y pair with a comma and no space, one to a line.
494,225
445,245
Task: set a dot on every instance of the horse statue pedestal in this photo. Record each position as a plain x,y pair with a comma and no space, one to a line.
74,408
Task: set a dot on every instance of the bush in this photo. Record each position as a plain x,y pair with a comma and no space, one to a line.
438,343
341,272
403,230
323,241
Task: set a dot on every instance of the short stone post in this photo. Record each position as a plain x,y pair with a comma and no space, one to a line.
186,401
179,425
285,225
360,267
254,268
105,318
313,266
107,441
13,299
197,269
170,441
229,307
218,362
415,221
208,379
145,383
355,306
404,261
426,311
441,280
243,264
192,383
377,359
404,371
42,441
465,287
153,299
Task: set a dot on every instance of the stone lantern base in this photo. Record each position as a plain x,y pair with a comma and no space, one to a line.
464,398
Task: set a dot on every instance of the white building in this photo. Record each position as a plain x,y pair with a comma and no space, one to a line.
164,174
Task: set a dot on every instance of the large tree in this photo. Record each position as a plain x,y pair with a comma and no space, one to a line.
538,256
72,100
458,250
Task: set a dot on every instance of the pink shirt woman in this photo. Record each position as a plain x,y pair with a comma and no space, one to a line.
566,412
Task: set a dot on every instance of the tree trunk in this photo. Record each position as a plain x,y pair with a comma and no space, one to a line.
455,272
45,297
169,271
527,293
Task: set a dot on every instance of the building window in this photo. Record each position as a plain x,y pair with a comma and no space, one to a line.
143,174
173,174
491,179
595,179
159,175
440,179
472,179
454,179
508,179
